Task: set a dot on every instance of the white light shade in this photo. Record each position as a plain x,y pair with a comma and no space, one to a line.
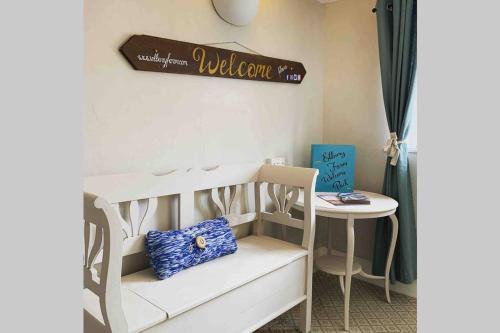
237,12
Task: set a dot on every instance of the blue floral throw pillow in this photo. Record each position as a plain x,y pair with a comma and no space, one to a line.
171,251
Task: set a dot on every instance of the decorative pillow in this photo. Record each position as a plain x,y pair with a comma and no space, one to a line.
171,251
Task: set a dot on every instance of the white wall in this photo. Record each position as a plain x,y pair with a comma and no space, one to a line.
143,121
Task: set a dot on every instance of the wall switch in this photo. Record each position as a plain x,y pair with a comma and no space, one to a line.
276,161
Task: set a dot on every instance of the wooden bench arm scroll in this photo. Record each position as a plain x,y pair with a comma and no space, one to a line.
283,185
108,240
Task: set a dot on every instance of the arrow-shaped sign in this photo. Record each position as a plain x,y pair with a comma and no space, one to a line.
154,54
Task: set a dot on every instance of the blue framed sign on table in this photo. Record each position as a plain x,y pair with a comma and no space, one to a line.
336,167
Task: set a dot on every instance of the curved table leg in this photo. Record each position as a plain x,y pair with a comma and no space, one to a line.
392,247
348,270
329,237
341,281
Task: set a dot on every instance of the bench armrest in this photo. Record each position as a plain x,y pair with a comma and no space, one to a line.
108,241
290,180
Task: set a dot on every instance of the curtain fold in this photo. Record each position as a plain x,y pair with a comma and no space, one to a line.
397,37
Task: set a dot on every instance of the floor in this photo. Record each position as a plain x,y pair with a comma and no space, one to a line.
369,312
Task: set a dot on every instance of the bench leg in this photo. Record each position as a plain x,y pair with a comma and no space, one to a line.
305,315
306,305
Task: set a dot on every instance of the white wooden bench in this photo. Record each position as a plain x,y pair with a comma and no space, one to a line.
235,293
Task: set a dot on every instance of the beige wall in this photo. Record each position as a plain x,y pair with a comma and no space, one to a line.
354,110
142,121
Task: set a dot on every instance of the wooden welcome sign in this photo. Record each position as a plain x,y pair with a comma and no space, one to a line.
148,53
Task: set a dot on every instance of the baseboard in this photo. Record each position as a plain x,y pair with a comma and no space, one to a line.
405,289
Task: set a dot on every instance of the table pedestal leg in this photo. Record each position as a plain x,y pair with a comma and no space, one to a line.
348,270
390,255
341,281
330,237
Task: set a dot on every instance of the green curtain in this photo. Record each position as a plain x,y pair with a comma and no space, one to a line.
397,38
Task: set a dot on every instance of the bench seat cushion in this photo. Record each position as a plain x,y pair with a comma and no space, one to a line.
256,256
139,313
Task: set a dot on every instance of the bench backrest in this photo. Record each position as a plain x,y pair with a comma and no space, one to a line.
135,196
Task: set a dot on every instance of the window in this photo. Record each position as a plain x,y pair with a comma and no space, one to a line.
411,140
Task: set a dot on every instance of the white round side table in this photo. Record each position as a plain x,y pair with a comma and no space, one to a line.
380,206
